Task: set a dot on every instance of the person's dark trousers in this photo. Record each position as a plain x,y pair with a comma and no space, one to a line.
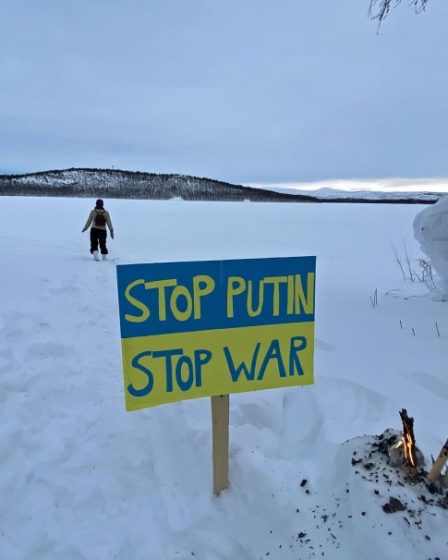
98,236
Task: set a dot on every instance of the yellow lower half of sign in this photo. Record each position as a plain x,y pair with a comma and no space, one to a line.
173,367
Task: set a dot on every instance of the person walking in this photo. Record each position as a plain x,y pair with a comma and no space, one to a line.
99,218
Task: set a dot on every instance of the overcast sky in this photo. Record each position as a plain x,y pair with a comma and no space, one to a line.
237,90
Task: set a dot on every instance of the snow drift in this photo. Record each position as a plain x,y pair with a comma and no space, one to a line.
431,231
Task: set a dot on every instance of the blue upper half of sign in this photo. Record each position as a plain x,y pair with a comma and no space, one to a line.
165,298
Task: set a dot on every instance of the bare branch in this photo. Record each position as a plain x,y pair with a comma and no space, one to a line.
379,9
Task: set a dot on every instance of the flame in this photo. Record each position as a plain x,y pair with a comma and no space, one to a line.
409,449
406,442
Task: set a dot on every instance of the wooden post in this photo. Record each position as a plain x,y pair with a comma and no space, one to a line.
220,437
435,472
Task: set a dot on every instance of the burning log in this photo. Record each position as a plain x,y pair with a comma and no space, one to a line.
409,442
436,470
404,452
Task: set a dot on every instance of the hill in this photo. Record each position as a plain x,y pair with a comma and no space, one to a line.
115,183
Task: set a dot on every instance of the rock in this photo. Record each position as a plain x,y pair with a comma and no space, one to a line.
393,505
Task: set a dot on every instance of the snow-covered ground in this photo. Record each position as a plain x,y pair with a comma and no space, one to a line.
80,478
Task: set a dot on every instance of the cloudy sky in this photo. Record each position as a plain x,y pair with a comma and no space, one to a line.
238,90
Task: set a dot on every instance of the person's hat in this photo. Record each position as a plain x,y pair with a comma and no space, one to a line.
99,203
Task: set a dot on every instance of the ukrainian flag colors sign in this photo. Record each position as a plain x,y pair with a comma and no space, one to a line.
197,329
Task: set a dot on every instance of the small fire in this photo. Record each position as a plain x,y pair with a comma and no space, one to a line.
409,450
407,445
408,439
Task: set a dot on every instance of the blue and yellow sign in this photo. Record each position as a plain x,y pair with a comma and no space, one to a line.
198,329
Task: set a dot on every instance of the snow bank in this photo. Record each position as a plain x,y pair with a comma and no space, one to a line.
431,231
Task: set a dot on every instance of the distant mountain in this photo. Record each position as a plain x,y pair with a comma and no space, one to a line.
115,183
331,194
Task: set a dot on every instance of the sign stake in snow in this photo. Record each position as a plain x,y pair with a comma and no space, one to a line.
211,328
220,434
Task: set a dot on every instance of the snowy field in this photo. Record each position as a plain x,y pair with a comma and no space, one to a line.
82,479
